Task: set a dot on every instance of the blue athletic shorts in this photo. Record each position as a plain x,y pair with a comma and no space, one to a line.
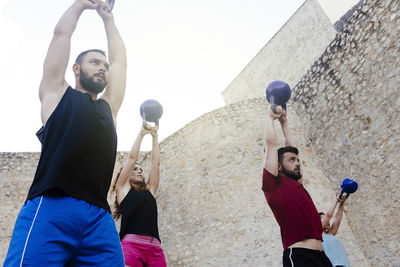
64,231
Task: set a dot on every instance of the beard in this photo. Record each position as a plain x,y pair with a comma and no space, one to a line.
291,174
90,84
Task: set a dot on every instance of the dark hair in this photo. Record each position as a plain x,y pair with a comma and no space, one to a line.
117,209
284,150
82,55
321,213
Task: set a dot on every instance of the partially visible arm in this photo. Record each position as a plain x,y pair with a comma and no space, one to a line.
122,187
271,140
53,84
115,91
338,218
154,176
328,215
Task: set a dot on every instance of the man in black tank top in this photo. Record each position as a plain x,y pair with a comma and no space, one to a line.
66,219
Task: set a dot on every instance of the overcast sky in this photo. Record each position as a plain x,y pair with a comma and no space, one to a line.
183,53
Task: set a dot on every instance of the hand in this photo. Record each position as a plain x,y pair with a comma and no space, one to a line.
342,199
276,115
104,10
153,131
144,131
88,4
282,119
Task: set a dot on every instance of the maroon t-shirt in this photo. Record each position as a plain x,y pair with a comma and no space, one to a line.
293,209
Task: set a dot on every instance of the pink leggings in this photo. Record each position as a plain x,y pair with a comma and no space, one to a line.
142,250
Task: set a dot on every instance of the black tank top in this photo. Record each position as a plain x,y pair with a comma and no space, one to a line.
139,214
78,150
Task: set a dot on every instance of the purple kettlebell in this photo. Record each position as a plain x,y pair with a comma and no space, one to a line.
151,111
278,93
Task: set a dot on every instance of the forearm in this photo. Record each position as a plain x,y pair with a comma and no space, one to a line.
155,154
115,92
270,132
330,212
337,220
271,140
154,176
339,213
67,23
287,133
135,150
130,162
328,215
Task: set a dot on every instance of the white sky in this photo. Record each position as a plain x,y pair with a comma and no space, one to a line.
183,53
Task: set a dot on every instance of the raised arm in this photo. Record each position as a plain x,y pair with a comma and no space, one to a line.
338,217
328,215
154,176
122,187
271,142
53,84
287,132
115,90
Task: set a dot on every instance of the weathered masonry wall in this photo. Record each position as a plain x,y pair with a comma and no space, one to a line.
349,102
212,211
345,112
287,56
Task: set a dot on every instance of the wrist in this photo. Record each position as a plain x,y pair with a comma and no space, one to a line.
79,6
108,20
284,124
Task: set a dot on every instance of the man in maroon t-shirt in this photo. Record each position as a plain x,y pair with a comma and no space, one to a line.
292,206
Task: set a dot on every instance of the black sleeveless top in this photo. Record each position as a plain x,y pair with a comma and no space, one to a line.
79,144
139,214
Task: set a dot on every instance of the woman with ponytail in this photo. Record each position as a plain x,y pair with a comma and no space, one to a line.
135,203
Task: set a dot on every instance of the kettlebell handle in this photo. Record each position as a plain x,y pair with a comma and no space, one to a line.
111,3
272,102
145,124
342,193
273,105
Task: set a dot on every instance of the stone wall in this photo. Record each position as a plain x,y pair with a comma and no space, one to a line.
287,56
16,174
345,115
349,102
212,211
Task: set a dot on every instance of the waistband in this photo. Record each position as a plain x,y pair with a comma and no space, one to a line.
144,239
302,251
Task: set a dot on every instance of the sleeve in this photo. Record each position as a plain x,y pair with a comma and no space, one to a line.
40,134
269,180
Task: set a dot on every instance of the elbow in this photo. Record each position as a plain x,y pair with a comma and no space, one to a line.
58,30
271,142
155,163
61,30
133,158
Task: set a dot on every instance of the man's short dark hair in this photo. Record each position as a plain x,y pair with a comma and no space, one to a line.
321,213
285,149
82,55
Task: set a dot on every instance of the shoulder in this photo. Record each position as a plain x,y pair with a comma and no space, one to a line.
51,100
150,193
267,174
270,181
104,102
106,108
123,194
